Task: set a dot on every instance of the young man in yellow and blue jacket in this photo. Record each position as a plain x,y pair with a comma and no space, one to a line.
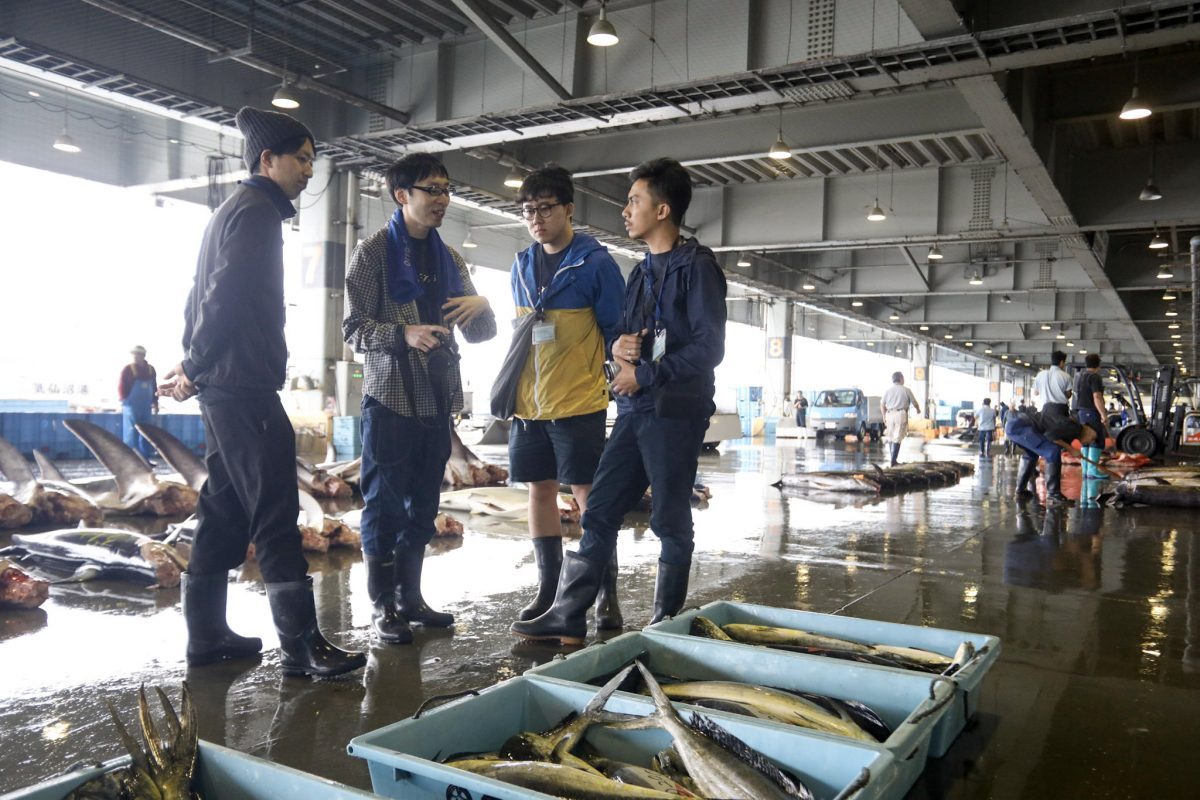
571,282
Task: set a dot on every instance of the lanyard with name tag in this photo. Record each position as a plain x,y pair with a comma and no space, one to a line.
543,332
660,343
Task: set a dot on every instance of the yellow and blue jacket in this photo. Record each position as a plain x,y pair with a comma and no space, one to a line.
565,377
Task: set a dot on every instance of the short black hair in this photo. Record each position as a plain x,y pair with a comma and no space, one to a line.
669,183
1058,357
987,401
549,181
897,377
412,169
287,147
1092,360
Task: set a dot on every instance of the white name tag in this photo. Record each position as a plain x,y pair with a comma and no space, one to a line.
543,332
660,345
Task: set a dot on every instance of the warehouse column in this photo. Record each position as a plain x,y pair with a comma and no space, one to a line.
316,283
777,385
922,360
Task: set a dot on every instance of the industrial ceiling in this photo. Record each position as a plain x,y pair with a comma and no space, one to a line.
986,132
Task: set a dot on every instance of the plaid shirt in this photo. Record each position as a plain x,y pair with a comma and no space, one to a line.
374,325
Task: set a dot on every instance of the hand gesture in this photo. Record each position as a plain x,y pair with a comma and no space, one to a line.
181,387
462,310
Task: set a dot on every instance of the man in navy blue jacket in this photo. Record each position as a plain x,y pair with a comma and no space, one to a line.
672,338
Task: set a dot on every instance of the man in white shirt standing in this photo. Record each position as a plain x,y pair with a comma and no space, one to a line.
987,427
1052,386
896,401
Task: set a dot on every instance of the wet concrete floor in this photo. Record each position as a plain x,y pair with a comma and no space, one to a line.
1095,695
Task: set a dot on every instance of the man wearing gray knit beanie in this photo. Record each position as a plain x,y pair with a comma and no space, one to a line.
236,361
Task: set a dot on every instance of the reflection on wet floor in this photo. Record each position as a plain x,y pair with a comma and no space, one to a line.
1098,609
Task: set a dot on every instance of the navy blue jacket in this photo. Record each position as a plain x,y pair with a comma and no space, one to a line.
693,311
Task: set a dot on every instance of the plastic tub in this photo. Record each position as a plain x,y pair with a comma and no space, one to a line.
938,640
910,704
223,773
401,757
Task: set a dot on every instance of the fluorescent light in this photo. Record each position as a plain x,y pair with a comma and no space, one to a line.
1134,108
876,213
935,254
602,32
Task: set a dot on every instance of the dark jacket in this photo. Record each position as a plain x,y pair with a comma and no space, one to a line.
233,331
693,311
1052,425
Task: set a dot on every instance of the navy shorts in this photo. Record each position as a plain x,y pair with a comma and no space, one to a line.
567,449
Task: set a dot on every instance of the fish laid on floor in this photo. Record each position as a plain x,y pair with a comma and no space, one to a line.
834,647
467,469
49,502
19,589
1171,496
164,768
137,490
874,479
720,764
107,554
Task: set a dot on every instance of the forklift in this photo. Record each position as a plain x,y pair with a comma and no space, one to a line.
1171,428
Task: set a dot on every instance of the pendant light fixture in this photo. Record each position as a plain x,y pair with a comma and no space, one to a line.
743,260
876,213
1005,299
514,178
1151,191
893,316
808,285
602,33
1134,108
856,303
935,254
469,243
1169,295
976,280
1158,242
1164,273
780,151
285,98
64,143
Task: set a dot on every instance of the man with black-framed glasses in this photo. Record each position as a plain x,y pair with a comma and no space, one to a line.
574,286
405,292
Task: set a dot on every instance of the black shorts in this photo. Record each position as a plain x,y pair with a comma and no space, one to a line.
567,449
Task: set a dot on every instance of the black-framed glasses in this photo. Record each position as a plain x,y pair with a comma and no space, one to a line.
541,209
437,191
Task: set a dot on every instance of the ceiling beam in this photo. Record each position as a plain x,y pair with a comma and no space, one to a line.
252,61
500,36
912,262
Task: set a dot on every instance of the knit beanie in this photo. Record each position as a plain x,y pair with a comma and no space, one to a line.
264,130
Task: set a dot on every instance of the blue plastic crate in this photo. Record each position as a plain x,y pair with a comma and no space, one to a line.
910,704
938,640
222,773
400,756
347,432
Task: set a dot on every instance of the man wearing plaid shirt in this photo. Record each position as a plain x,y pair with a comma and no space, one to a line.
405,292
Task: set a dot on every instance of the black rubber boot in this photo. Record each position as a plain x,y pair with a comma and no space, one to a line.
209,637
304,651
409,602
566,621
386,621
1054,495
608,609
1027,474
548,553
895,453
670,590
